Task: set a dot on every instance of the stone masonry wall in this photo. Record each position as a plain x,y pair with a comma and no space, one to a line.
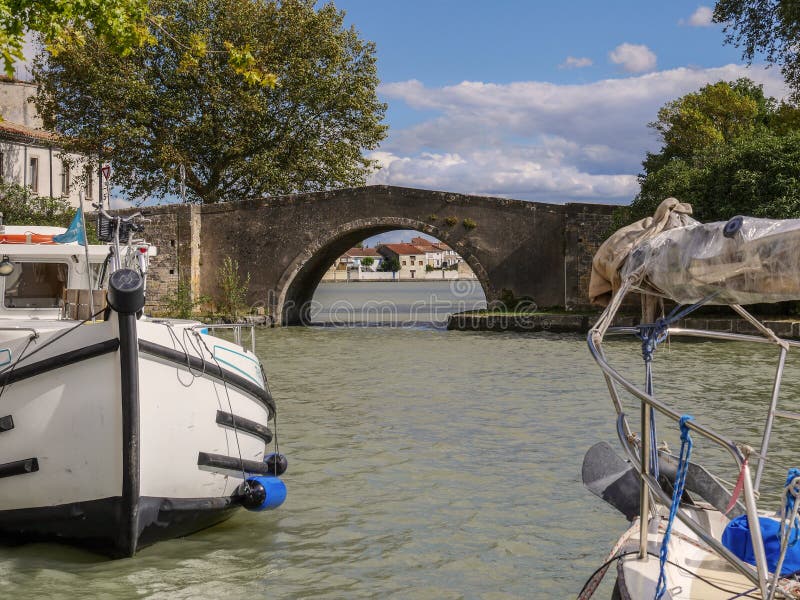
585,228
163,233
539,250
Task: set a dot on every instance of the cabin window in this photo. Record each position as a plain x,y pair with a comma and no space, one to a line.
35,285
33,174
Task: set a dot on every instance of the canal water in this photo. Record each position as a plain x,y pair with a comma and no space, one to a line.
423,463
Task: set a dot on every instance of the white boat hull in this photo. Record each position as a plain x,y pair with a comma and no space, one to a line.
113,441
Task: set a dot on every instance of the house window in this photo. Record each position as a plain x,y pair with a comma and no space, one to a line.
413,258
404,263
89,183
420,263
33,174
65,179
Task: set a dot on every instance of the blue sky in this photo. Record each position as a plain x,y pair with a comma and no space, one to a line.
536,100
545,101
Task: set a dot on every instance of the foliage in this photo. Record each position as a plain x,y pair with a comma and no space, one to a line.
179,302
432,217
469,224
727,150
121,24
20,206
181,101
429,268
450,221
771,27
232,287
392,265
367,261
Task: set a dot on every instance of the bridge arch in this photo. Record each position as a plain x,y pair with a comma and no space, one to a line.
296,286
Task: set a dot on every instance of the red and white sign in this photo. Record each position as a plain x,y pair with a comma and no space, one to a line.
106,171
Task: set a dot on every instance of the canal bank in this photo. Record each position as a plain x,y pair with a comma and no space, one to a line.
581,323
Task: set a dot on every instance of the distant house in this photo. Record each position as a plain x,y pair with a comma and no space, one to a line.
438,254
360,258
31,156
411,258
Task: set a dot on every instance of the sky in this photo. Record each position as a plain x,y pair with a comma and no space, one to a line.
535,100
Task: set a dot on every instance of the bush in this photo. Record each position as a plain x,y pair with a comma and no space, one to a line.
179,303
367,261
451,221
469,224
432,217
429,268
20,206
232,287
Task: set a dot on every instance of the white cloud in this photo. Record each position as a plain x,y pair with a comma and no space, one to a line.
573,62
633,58
702,17
538,140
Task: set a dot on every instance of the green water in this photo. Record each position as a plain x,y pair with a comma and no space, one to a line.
423,464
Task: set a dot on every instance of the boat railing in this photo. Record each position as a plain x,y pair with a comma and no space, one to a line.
236,328
641,456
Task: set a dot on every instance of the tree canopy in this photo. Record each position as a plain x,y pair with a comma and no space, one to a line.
771,27
251,97
120,23
727,150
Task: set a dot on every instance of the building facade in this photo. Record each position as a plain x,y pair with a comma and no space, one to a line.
30,156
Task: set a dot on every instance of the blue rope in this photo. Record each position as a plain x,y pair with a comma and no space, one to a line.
677,494
652,334
794,528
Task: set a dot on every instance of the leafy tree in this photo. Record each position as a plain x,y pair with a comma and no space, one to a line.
727,150
121,24
391,265
297,122
367,261
771,27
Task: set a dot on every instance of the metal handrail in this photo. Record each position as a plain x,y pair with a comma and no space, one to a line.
237,331
653,485
612,376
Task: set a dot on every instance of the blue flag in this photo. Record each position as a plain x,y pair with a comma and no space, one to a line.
74,232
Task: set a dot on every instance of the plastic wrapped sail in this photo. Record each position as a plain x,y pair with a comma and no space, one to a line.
743,261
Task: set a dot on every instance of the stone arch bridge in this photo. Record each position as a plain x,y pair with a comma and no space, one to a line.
516,248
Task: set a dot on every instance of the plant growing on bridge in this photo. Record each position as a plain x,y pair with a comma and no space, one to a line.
233,289
179,302
469,224
190,97
450,221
